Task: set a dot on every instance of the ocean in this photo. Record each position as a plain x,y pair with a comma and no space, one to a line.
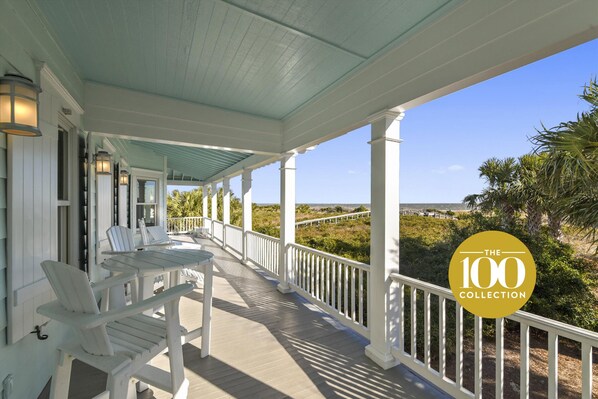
411,206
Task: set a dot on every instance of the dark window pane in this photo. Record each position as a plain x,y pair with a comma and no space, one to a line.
146,191
147,213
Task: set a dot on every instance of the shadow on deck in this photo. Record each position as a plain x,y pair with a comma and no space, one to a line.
269,345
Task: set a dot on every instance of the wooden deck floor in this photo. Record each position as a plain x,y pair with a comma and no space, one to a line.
269,345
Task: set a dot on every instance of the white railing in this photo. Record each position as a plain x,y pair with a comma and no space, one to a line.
218,231
263,250
183,225
413,291
338,285
334,219
233,238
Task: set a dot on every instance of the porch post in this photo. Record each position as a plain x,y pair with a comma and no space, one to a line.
247,209
214,214
225,208
287,219
226,200
384,246
204,201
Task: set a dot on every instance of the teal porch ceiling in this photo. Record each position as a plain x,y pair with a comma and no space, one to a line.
262,57
183,163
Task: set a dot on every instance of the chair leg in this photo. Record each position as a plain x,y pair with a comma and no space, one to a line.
121,386
62,376
175,350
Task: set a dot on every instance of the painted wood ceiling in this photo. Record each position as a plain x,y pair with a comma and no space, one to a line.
194,162
262,57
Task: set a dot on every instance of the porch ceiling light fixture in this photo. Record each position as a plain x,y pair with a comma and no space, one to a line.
19,106
124,178
103,162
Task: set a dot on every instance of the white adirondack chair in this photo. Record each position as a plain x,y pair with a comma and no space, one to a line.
157,236
119,342
148,238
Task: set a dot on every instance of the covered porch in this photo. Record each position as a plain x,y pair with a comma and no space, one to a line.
200,92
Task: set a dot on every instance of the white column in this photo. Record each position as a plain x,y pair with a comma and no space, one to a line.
384,246
247,209
204,201
287,219
214,213
225,208
226,200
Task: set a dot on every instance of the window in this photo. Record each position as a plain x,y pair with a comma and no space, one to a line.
147,201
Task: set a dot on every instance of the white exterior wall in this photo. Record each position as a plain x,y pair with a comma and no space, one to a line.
22,42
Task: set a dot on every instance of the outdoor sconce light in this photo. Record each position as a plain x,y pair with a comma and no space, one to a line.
124,178
103,163
19,106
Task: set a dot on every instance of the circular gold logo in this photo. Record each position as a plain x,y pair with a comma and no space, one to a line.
492,274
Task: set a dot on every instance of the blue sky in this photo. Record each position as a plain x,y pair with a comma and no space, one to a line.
447,139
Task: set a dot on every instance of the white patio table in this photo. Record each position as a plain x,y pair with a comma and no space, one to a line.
150,263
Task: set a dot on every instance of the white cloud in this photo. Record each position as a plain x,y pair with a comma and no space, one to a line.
455,168
351,172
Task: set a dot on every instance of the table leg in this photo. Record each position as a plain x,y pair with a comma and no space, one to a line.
206,325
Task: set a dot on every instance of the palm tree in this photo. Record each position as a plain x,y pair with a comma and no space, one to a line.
571,166
500,195
531,191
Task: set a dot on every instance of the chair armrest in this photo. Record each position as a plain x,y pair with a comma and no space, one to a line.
139,307
55,311
118,279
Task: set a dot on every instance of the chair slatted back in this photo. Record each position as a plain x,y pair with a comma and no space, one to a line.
145,235
121,239
158,234
75,294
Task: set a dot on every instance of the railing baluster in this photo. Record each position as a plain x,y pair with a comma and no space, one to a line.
327,281
586,370
459,345
360,272
401,328
339,292
553,364
441,336
477,330
524,361
413,322
427,329
353,284
311,274
346,291
500,358
318,277
333,284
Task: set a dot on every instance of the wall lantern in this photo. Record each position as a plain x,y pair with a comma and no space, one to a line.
19,106
124,178
103,163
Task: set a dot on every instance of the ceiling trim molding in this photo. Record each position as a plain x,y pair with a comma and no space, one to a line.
47,74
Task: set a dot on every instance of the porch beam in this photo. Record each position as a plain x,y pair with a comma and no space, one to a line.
247,209
287,219
131,114
384,246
